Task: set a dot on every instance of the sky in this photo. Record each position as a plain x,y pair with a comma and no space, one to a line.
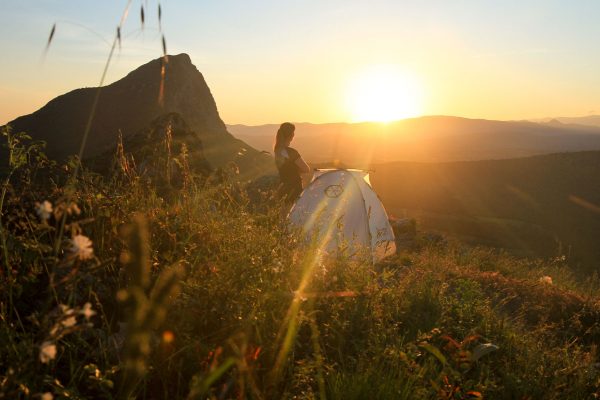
319,61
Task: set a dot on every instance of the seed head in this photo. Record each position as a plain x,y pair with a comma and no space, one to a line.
47,352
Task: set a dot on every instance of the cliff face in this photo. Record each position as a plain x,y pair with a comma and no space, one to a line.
131,104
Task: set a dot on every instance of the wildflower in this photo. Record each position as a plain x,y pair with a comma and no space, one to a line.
69,322
73,209
81,246
44,210
69,209
47,352
66,310
87,311
546,279
47,396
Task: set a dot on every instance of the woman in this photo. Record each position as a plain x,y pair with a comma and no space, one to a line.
289,163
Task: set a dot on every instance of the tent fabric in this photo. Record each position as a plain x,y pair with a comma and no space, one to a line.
341,208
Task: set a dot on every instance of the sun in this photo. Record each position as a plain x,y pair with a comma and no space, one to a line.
384,93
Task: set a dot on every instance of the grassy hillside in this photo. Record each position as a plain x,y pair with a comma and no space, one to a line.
545,205
109,290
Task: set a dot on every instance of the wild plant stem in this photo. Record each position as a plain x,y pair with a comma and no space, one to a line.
3,238
2,235
45,264
86,132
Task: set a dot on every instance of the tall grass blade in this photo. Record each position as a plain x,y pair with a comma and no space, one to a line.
201,388
119,36
159,18
163,73
125,13
50,37
434,351
52,31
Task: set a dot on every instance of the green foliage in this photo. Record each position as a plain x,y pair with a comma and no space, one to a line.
199,295
542,206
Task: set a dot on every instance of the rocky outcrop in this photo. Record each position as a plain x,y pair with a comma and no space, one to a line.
167,153
130,105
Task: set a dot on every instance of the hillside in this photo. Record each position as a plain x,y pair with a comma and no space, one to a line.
426,139
130,105
198,295
539,205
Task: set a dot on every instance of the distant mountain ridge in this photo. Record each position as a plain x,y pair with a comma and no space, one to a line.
429,138
588,120
130,105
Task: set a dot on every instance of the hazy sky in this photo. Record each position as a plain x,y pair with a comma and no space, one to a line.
274,60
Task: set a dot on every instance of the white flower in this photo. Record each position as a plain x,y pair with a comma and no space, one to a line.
546,279
47,396
81,246
87,311
47,352
44,210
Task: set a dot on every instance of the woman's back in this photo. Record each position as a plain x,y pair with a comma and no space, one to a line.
289,163
289,174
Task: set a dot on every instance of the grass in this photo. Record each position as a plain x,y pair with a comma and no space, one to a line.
203,293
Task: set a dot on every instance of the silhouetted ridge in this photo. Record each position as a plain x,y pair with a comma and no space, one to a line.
130,105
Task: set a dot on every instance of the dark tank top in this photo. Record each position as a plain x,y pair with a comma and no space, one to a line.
289,175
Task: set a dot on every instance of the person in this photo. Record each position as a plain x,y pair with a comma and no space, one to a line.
289,163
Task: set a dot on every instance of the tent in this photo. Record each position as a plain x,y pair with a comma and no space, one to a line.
341,208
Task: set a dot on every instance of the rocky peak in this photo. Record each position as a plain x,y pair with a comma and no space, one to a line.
127,106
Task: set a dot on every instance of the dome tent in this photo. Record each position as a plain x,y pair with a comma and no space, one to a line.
341,208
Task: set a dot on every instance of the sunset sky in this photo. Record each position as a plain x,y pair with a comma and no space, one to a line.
322,60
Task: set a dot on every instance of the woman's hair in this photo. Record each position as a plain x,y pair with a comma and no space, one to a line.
285,132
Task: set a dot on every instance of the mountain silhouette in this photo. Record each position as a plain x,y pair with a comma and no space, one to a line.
129,105
426,139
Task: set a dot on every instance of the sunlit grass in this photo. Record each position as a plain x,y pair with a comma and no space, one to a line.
257,314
